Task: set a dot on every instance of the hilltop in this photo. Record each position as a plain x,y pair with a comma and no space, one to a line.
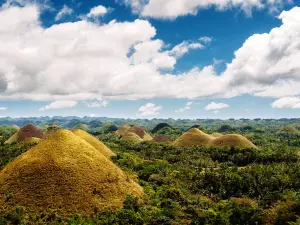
27,131
64,173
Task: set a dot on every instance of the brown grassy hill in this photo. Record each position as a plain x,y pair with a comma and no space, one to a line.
130,136
160,139
95,142
65,173
27,131
141,133
122,130
193,137
232,140
216,135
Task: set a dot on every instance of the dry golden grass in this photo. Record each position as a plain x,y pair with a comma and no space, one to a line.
130,136
216,135
232,140
95,142
141,133
122,130
27,131
193,137
65,173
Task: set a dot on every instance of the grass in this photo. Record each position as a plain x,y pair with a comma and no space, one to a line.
193,137
66,174
95,142
232,140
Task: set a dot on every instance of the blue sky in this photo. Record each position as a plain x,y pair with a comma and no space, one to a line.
239,86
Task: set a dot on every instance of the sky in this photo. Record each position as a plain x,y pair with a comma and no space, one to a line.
150,58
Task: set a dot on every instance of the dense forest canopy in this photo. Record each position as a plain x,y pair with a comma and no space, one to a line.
183,185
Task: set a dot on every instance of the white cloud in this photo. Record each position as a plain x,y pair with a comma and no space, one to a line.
92,115
132,60
287,102
97,11
187,107
216,106
149,110
97,104
59,105
268,64
170,9
63,12
205,39
3,108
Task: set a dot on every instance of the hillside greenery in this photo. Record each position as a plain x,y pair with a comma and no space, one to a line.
194,185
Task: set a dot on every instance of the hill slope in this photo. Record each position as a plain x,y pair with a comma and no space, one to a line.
65,173
232,140
193,137
95,142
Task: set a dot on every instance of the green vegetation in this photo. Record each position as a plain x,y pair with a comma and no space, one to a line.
196,185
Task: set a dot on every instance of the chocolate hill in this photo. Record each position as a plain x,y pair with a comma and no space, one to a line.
122,130
27,131
64,173
232,140
193,137
160,126
141,133
130,136
96,143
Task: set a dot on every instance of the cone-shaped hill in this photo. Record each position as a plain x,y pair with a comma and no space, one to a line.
81,126
289,130
232,140
122,130
193,137
160,126
49,130
27,131
130,136
96,143
65,173
141,133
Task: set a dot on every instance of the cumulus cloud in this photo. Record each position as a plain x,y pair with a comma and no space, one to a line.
63,12
97,11
287,102
97,104
3,108
170,9
187,107
59,105
67,61
149,110
216,106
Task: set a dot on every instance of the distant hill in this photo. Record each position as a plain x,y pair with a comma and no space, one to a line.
232,140
28,131
193,137
160,126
